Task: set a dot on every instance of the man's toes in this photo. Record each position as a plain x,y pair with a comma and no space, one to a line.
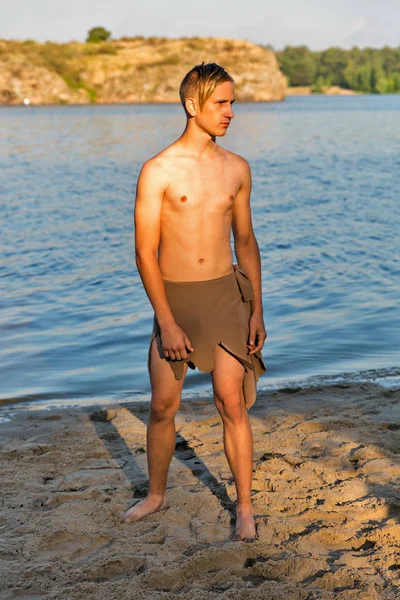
127,517
239,538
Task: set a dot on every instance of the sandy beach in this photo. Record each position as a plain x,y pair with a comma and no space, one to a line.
326,494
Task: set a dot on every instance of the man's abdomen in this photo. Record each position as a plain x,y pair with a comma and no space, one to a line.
190,256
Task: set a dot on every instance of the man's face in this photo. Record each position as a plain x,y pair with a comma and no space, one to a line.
217,111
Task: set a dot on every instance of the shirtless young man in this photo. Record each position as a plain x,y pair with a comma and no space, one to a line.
189,196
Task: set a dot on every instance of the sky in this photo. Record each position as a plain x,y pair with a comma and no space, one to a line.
318,24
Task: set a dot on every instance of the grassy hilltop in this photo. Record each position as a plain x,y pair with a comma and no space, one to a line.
130,70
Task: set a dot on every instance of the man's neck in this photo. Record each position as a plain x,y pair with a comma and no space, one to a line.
197,141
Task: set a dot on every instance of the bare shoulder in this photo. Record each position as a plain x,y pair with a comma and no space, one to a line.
239,163
152,167
158,165
155,172
236,160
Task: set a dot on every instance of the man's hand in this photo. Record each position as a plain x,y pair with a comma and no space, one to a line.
175,343
257,334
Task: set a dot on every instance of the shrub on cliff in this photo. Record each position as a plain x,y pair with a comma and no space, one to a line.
98,34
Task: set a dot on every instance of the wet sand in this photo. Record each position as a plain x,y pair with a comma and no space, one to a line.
326,494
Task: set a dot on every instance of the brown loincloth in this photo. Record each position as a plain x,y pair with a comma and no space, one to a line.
211,312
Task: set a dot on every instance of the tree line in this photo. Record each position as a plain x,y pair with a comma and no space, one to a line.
369,70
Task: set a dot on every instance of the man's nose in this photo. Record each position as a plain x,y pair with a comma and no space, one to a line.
229,112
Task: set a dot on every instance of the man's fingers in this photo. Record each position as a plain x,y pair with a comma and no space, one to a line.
252,337
179,350
177,354
188,344
256,349
260,339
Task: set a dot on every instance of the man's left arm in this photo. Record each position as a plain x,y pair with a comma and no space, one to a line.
248,255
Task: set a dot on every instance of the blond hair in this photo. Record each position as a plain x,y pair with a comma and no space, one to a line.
202,79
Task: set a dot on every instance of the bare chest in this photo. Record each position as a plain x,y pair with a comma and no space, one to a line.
194,190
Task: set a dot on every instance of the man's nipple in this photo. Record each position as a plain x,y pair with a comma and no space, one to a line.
183,198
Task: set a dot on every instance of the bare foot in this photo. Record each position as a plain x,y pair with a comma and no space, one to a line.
143,508
245,529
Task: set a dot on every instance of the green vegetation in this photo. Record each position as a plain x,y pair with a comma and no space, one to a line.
136,38
141,69
92,49
98,34
369,70
64,59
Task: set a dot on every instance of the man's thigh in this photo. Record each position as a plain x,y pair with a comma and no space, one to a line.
164,386
227,378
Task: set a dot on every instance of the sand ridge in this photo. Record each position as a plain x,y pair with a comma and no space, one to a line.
326,494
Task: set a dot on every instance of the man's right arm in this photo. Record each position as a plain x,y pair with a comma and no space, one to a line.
150,190
149,196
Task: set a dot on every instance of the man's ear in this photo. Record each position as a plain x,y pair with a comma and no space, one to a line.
191,106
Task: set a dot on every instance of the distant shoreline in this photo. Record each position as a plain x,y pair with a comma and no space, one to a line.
290,92
334,90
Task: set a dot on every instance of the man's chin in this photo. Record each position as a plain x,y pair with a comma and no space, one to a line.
221,133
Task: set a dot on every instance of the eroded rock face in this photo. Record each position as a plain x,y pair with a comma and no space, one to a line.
135,71
21,82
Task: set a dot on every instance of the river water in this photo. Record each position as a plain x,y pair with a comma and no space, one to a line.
75,321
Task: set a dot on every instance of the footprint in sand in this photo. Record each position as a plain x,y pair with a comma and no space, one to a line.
115,566
201,564
208,532
85,493
70,546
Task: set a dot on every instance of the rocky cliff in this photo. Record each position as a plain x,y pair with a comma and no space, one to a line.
130,70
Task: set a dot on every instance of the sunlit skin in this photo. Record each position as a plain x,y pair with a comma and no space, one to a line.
189,197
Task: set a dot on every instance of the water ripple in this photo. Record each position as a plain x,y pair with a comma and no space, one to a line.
74,319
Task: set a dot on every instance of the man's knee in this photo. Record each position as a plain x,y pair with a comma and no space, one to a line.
231,407
164,409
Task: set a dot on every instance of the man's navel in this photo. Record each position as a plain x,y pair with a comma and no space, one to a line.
201,260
